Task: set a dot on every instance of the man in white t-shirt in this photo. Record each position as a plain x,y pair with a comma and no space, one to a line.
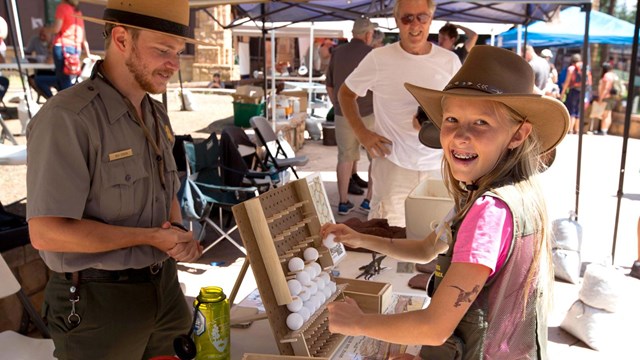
400,161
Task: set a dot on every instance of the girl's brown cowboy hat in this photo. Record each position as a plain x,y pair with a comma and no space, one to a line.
496,74
169,17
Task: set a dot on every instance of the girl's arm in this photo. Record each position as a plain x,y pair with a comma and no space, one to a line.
419,251
430,326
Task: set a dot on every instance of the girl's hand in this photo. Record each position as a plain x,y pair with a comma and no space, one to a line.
344,234
345,317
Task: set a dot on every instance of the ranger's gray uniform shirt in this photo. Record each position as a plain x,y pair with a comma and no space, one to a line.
87,158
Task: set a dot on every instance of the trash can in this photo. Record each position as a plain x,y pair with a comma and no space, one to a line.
243,112
328,134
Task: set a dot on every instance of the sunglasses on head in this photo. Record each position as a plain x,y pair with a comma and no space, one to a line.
408,19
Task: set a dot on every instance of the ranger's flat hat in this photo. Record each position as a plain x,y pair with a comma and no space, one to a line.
169,17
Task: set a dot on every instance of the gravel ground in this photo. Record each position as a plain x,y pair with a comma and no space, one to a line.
208,108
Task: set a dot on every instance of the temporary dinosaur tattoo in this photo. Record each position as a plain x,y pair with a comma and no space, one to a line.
465,296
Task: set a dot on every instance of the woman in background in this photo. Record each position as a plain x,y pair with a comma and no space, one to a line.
69,38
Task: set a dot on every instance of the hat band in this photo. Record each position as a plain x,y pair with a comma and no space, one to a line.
473,86
147,22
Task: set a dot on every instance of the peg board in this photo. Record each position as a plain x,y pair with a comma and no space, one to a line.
275,227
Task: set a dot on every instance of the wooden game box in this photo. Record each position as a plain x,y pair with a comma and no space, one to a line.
275,227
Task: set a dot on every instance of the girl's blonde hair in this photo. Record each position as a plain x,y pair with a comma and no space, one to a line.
519,166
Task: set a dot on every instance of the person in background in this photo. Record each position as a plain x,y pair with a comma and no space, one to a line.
635,268
491,290
399,161
43,79
344,59
540,66
69,38
4,31
552,89
378,39
571,87
448,38
216,82
39,45
102,185
606,94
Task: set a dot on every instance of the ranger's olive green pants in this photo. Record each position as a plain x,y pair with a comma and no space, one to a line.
119,320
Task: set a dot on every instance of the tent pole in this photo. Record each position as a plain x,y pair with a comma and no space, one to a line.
583,88
273,80
627,125
265,85
16,38
311,38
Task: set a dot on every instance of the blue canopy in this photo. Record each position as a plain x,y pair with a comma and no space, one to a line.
568,30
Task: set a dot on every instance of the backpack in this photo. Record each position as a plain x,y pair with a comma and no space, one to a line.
618,87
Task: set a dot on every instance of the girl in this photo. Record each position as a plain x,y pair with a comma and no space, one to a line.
493,273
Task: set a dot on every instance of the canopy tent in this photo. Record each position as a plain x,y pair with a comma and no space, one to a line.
568,29
512,12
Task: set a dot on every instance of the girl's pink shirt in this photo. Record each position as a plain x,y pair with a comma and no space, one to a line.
485,234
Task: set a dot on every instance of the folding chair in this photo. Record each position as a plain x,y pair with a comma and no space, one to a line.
274,152
204,172
4,87
16,345
240,160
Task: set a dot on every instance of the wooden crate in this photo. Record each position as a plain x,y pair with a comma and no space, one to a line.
275,227
372,297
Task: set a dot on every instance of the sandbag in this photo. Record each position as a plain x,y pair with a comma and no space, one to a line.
595,327
567,234
566,265
603,287
567,242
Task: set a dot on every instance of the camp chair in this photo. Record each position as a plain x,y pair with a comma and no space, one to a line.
205,185
15,345
274,152
240,162
4,86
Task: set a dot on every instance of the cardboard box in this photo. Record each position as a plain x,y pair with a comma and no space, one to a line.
372,297
427,202
302,96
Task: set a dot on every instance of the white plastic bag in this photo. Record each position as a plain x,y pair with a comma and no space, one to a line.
595,327
567,242
602,287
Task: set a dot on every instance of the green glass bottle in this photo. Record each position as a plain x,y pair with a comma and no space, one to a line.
212,332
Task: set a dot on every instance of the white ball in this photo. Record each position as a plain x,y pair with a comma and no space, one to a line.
296,264
321,297
319,282
305,294
312,288
304,278
295,321
310,306
310,254
295,305
305,313
329,242
327,291
325,276
311,270
316,268
333,287
294,287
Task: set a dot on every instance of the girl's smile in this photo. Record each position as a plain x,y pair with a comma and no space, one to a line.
474,135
